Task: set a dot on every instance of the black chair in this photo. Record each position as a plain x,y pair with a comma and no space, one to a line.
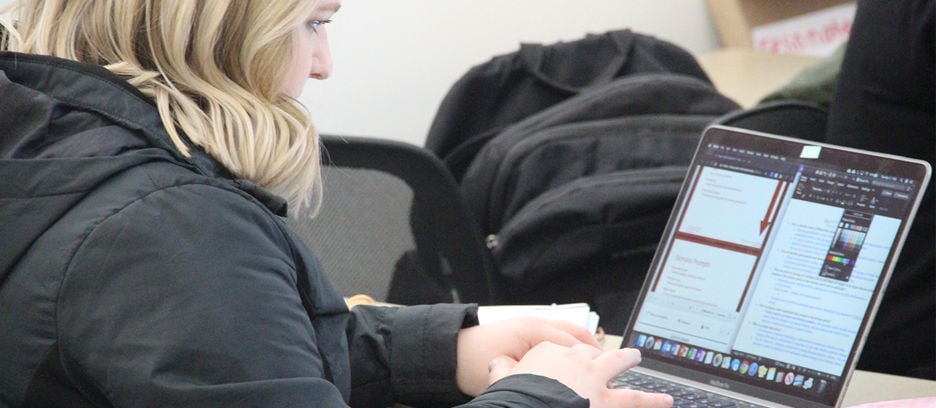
790,117
394,226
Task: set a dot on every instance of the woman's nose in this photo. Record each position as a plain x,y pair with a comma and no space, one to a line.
322,63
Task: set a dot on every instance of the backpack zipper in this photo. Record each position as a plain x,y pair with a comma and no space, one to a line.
491,241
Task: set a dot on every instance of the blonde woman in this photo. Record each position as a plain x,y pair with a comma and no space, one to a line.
148,150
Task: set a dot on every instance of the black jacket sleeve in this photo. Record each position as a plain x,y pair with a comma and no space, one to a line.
416,365
528,391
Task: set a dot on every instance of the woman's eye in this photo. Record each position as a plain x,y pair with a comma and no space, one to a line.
315,24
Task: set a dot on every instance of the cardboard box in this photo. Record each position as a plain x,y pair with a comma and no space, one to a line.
782,26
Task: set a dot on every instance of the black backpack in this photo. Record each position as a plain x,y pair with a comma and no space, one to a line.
508,88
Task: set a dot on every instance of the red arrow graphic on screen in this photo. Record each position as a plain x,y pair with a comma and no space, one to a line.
773,201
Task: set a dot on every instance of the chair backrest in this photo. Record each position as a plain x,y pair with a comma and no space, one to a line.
394,226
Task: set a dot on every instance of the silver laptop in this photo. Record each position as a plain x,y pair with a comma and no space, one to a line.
770,270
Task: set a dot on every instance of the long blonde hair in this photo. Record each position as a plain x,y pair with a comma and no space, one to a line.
214,68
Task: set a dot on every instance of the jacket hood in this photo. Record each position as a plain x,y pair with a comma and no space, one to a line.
66,127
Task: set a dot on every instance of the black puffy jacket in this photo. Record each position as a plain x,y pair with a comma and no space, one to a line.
133,276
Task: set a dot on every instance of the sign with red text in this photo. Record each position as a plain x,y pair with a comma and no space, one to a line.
818,33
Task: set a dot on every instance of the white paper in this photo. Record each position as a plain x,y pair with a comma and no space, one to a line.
578,313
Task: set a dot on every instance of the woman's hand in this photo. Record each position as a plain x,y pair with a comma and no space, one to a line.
510,340
584,369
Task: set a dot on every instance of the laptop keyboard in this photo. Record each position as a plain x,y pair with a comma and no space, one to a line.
684,396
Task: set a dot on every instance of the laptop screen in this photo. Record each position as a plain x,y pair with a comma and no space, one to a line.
773,263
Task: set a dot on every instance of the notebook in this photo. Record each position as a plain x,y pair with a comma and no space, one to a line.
770,270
